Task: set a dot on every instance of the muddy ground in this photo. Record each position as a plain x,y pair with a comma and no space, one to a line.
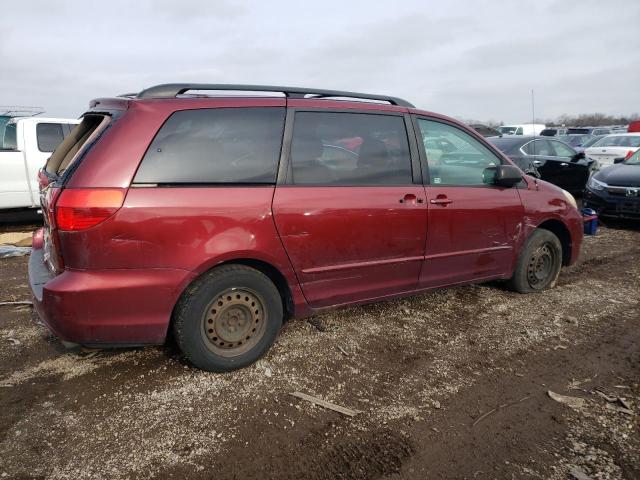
450,384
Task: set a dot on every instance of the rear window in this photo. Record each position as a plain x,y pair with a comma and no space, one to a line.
75,142
621,141
221,145
10,137
49,136
578,131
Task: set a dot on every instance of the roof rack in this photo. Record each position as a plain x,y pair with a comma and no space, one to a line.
20,111
171,90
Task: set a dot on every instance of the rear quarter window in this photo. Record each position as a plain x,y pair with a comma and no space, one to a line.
49,136
221,145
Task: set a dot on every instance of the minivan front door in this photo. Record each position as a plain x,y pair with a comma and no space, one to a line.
349,214
473,224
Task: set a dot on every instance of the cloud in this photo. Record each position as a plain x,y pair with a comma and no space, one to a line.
471,59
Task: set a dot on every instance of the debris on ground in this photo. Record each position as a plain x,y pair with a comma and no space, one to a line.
7,251
343,351
18,302
17,239
578,474
325,404
618,404
317,323
499,407
574,402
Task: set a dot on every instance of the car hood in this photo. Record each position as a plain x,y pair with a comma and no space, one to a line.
620,175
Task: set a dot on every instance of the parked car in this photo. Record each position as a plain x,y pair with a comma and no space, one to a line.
485,130
588,131
553,131
614,191
26,145
634,127
217,218
523,129
549,159
562,131
614,146
591,142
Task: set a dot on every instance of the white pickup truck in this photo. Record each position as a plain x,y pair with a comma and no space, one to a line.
26,144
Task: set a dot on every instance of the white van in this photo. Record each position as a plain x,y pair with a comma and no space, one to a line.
523,129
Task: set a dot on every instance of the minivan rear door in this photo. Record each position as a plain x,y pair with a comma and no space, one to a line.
52,176
349,205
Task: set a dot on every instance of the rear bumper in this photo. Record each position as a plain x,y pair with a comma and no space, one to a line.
106,307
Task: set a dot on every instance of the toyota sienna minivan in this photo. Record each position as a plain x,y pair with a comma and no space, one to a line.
214,218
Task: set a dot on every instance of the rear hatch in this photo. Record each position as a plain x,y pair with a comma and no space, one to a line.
57,171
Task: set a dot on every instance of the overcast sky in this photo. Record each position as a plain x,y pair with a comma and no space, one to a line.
468,59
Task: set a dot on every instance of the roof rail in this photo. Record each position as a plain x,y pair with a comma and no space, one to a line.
171,90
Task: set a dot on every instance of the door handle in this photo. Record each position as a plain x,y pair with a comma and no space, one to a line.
411,199
537,163
564,164
440,200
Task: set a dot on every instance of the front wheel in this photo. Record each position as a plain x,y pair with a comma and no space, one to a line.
538,264
228,318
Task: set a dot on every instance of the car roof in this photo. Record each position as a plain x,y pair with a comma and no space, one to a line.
632,134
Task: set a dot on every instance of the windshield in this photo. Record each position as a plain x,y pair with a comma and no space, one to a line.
507,130
633,159
592,142
620,141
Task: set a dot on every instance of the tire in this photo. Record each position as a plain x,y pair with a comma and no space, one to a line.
538,264
228,318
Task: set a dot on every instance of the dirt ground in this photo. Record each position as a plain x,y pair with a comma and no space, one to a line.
449,384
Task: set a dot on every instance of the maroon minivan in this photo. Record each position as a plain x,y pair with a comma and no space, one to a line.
218,217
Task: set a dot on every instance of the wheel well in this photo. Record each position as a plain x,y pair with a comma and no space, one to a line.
560,230
274,275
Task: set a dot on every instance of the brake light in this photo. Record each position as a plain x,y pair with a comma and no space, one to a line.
629,154
82,208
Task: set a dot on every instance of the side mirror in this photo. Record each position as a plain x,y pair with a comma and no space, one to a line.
506,175
578,156
618,160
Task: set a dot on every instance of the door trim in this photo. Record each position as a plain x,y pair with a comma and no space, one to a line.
345,266
468,252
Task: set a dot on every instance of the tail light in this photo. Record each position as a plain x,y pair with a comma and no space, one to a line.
629,154
82,208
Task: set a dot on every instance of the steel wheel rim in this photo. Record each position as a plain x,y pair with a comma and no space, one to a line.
541,266
234,322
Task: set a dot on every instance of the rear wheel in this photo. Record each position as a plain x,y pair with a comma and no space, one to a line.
539,263
228,318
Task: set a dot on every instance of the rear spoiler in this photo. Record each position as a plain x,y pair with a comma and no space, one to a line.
101,104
